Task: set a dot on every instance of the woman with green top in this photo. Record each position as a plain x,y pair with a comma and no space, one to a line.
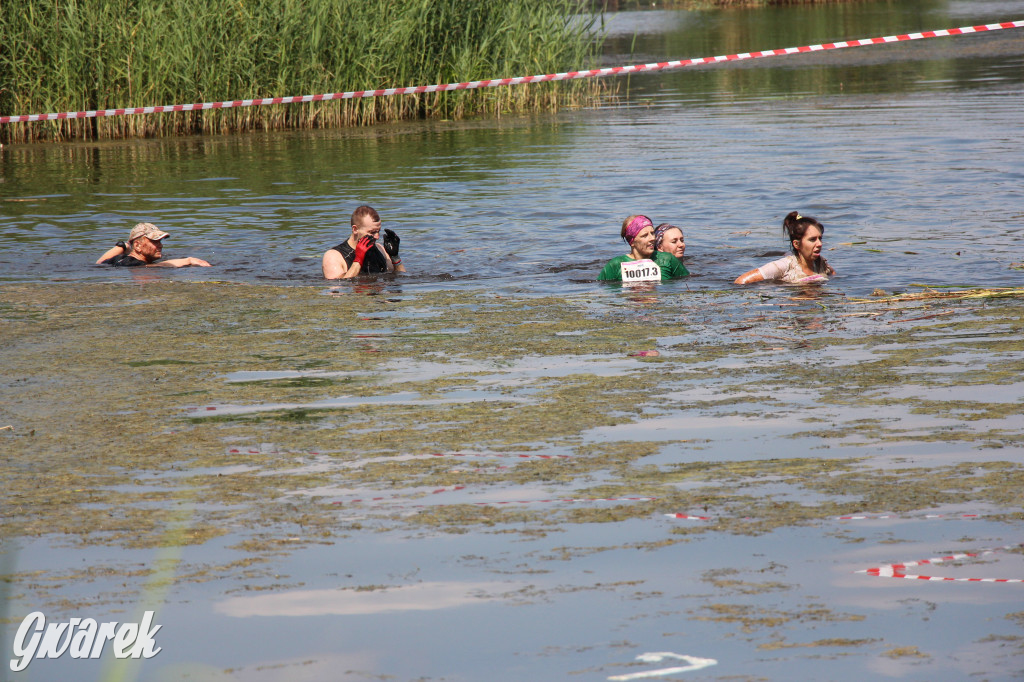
642,263
669,238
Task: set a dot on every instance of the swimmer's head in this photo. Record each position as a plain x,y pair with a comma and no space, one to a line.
365,222
659,233
146,241
669,238
795,227
633,225
147,230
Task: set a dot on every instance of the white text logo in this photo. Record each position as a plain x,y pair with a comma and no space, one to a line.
82,638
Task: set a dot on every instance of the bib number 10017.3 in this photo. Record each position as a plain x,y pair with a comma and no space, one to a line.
643,270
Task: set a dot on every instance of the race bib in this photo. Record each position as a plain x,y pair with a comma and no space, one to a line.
643,270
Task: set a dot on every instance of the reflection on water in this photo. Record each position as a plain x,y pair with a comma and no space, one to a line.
906,153
899,68
427,596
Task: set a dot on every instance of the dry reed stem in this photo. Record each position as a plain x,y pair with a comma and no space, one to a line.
999,292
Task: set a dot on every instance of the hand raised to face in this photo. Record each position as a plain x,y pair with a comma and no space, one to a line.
362,246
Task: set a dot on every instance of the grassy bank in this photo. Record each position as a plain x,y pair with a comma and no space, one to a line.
75,55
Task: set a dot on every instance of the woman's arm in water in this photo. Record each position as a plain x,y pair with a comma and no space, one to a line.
750,277
769,271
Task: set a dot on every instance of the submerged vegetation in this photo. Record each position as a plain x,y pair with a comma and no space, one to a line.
272,452
244,421
76,56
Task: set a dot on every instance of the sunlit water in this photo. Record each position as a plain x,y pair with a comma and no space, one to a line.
910,154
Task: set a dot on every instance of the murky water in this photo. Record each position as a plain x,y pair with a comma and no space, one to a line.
281,438
911,152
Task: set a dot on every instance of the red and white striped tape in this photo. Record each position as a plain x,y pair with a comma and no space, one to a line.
899,570
472,85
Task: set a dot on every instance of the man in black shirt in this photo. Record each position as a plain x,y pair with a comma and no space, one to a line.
361,252
145,247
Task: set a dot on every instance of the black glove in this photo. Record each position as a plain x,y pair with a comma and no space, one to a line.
391,243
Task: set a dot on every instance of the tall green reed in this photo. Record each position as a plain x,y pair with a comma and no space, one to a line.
70,55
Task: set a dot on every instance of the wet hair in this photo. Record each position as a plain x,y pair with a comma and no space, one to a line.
362,211
795,227
659,233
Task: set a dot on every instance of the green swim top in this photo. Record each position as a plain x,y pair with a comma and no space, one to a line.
670,266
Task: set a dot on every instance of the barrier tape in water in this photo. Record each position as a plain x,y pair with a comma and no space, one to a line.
472,85
899,570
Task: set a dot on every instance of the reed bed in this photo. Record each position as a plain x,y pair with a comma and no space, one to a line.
71,55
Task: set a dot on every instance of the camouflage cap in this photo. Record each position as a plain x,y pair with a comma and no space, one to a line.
146,230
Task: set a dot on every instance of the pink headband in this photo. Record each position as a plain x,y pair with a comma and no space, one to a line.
635,226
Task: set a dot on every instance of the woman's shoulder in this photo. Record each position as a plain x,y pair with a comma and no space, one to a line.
611,270
670,264
778,268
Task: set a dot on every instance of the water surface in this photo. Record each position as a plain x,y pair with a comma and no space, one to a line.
463,473
911,152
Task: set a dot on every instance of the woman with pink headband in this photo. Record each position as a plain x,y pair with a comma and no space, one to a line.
638,233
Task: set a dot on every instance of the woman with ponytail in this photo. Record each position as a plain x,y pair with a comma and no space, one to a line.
805,264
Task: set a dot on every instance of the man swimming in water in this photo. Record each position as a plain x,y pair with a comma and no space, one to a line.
361,252
144,248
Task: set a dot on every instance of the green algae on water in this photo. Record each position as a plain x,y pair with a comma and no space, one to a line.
103,450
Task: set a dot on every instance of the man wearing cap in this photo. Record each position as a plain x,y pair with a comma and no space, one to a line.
144,247
361,252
